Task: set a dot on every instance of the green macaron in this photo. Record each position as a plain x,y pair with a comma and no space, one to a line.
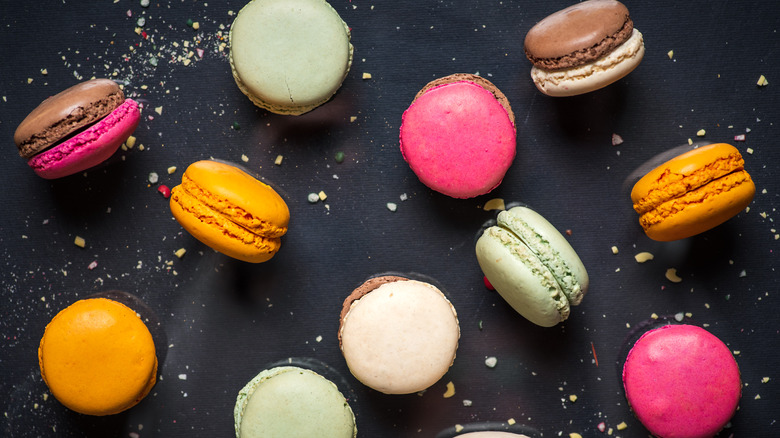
532,266
292,402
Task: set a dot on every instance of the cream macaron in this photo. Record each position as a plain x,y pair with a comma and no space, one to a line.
398,335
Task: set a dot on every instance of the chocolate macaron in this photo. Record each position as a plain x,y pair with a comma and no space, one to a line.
584,47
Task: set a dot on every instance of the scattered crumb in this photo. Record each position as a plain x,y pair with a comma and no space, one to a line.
573,398
511,421
494,204
450,390
575,435
643,257
171,170
614,249
491,362
690,142
458,428
244,158
671,275
392,206
765,380
322,195
366,75
739,137
749,150
762,82
158,110
352,118
180,252
182,377
80,242
670,54
130,142
679,316
278,160
153,178
700,133
654,316
616,140
601,427
622,425
313,198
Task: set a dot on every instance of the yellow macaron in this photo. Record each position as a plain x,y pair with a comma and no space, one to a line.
230,211
97,357
693,192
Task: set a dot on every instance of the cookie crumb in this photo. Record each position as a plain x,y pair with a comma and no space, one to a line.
313,198
765,380
80,242
180,252
700,133
575,435
278,160
450,390
511,421
491,362
494,204
671,275
762,82
467,402
643,257
130,142
573,398
616,140
392,206
458,428
622,425
366,75
614,249
171,170
322,195
670,54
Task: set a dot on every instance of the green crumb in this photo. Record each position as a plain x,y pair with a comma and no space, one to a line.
480,324
339,157
189,22
236,126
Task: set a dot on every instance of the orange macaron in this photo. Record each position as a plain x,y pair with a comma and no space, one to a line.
97,357
693,192
230,211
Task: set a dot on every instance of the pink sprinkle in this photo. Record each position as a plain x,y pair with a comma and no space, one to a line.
616,139
164,190
129,13
601,427
487,283
92,265
740,137
150,117
200,52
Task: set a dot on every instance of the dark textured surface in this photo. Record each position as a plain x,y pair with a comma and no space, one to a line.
225,320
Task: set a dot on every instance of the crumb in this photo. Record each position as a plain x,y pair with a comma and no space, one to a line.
180,252
130,142
762,82
171,170
575,435
654,316
322,195
313,198
80,242
614,249
679,316
494,204
643,257
352,118
739,137
671,275
182,377
392,206
700,133
153,178
511,421
568,232
491,362
601,427
92,265
616,140
278,160
573,398
670,54
158,110
366,75
450,390
467,403
765,380
622,425
749,150
458,428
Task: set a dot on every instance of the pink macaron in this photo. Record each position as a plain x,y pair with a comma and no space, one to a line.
682,382
458,135
76,129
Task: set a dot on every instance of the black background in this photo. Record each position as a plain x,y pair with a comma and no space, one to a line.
222,321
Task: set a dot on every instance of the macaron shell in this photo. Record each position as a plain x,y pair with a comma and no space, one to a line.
700,210
458,139
91,146
265,34
98,357
552,249
579,27
65,113
401,337
292,402
682,381
593,75
491,434
520,278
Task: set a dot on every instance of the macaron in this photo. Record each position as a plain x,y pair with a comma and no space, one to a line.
97,357
693,192
289,56
682,381
292,402
230,211
532,266
582,48
398,335
76,129
458,135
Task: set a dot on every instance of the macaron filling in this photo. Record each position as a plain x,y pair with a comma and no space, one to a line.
631,48
544,252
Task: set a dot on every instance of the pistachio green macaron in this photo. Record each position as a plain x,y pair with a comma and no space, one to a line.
292,402
532,266
289,56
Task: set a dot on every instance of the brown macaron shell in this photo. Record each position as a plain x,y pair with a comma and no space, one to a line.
479,80
65,113
578,34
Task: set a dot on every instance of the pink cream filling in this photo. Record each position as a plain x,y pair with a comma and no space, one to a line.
91,146
458,139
